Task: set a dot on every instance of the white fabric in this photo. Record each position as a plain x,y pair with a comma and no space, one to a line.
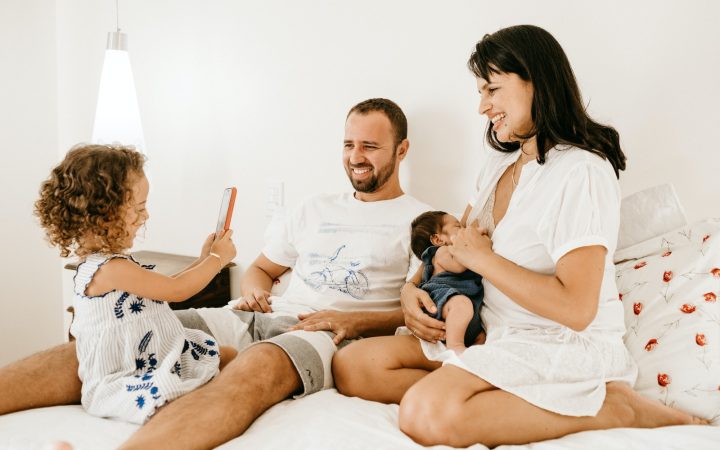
226,328
670,293
134,354
323,421
571,201
346,254
649,213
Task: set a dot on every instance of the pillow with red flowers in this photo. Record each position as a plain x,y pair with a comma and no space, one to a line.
669,286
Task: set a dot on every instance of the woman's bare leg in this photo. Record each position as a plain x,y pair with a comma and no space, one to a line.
381,369
48,378
453,407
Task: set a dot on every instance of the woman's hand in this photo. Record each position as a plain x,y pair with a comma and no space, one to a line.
343,324
471,246
418,322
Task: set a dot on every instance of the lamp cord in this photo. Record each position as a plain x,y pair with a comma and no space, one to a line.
117,16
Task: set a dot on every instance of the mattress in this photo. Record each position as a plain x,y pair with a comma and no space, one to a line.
322,421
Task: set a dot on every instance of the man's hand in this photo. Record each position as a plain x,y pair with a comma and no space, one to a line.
257,301
418,322
343,324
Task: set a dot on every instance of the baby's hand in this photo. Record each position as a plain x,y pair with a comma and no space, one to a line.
224,247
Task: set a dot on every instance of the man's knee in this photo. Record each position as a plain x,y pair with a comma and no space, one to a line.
265,366
47,378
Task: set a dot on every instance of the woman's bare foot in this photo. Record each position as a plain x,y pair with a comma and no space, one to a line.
627,408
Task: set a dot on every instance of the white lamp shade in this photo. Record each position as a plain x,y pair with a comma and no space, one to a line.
117,117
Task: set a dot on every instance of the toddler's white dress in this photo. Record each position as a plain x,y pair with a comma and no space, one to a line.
134,354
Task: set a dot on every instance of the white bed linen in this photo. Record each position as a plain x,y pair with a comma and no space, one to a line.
322,421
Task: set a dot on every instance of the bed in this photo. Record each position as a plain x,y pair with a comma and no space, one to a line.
323,421
668,275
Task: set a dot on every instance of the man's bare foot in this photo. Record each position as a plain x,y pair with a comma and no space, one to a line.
627,408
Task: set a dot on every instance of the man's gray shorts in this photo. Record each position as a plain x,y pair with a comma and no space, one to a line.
311,352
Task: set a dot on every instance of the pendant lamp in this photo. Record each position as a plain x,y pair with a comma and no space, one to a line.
117,116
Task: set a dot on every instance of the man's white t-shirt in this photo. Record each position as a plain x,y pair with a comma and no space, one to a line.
345,254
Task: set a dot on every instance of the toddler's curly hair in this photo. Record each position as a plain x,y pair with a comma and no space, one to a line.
82,204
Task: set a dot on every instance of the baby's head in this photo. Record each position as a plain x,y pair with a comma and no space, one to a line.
432,228
94,200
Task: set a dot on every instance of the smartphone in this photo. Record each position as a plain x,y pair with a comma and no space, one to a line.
226,210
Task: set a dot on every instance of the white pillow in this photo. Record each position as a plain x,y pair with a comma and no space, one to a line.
669,287
649,213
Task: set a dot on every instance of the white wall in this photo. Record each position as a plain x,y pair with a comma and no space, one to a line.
30,302
237,92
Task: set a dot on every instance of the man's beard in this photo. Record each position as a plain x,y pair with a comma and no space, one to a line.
375,182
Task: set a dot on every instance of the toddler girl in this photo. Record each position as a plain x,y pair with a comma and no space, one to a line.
134,354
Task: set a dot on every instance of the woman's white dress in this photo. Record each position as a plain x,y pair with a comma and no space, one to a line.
571,201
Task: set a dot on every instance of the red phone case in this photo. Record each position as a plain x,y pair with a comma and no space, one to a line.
231,204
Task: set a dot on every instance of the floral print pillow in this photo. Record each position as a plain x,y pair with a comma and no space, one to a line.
669,287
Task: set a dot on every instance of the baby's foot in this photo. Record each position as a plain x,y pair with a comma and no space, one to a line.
458,348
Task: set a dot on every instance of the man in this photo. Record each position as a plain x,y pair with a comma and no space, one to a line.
350,255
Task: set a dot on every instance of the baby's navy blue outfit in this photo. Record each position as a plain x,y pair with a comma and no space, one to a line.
446,284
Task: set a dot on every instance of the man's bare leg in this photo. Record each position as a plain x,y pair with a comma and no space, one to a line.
251,383
48,378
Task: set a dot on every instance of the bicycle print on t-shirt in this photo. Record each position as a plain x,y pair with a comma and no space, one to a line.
344,278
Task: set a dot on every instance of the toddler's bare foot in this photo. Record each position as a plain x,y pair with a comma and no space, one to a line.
59,445
627,408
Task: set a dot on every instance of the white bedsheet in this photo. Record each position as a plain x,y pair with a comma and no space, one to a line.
323,421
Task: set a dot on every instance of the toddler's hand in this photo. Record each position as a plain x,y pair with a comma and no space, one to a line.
224,247
205,252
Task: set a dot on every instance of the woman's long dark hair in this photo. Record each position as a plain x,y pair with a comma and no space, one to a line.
558,114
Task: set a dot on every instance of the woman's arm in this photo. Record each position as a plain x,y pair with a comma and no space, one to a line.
570,296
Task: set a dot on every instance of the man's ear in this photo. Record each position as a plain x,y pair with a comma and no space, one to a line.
402,149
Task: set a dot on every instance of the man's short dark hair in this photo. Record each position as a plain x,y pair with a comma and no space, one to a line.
422,229
392,111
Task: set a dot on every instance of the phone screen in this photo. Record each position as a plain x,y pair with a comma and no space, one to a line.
226,208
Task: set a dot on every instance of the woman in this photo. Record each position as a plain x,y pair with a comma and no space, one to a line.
553,362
